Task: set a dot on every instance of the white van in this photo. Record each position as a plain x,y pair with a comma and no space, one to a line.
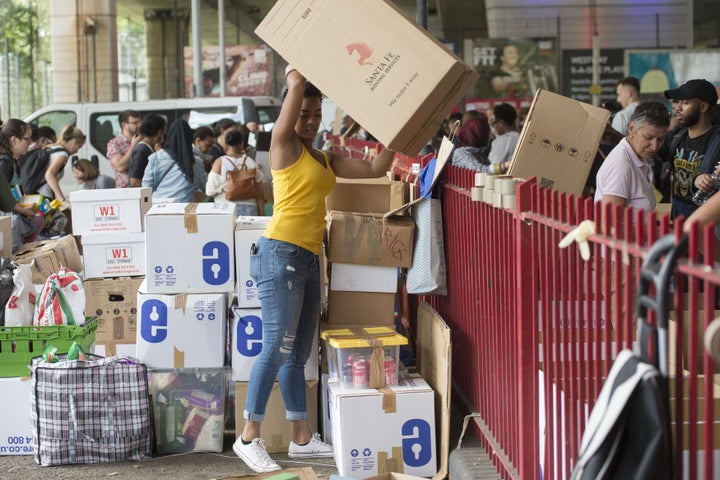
99,121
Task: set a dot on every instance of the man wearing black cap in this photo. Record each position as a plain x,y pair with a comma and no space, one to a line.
694,148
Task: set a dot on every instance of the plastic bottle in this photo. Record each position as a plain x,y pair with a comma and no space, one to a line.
701,197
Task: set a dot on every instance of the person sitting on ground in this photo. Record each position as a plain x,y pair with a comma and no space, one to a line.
625,177
152,132
505,135
233,160
170,171
88,176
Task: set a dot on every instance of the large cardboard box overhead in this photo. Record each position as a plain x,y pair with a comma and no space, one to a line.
558,142
379,66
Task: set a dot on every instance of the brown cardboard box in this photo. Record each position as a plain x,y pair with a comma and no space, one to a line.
367,195
305,473
114,302
370,239
558,142
380,67
48,256
434,361
275,428
5,236
361,308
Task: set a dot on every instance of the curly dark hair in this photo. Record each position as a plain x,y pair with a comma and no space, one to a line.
310,91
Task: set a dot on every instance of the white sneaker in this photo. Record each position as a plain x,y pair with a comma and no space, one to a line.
255,455
315,448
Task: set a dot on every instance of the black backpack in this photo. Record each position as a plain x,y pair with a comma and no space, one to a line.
33,168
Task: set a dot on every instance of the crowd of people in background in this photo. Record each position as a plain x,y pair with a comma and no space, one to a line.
174,160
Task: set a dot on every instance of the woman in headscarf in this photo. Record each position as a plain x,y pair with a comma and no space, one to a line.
170,171
471,149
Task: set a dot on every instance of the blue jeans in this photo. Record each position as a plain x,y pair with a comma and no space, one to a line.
682,208
288,282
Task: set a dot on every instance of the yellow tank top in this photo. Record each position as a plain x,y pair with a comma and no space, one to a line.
299,209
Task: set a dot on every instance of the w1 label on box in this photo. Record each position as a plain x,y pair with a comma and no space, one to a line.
120,255
109,210
246,342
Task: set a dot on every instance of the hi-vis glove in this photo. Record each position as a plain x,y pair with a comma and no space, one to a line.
579,234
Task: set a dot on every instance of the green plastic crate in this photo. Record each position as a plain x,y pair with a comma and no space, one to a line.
18,345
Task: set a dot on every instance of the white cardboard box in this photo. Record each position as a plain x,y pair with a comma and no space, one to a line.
247,231
181,331
189,248
109,210
15,425
373,429
349,277
116,255
246,342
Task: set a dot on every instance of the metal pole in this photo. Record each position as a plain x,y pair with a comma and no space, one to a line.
690,40
7,77
221,46
197,50
422,17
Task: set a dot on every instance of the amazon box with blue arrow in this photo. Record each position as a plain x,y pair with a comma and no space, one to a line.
397,81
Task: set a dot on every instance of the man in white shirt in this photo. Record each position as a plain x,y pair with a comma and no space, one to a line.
506,135
628,95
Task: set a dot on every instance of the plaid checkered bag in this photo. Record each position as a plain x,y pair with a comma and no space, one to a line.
90,411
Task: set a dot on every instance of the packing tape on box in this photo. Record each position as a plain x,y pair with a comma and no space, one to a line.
389,401
480,179
476,193
190,218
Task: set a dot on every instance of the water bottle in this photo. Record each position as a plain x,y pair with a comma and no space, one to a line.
701,197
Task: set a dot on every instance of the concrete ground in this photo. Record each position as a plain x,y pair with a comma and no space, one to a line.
189,466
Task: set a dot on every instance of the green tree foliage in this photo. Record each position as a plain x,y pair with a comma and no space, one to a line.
23,25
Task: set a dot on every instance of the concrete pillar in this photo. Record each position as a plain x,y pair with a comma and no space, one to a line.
84,50
164,46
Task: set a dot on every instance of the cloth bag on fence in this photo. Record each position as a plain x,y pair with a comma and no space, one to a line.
241,184
61,300
90,411
427,273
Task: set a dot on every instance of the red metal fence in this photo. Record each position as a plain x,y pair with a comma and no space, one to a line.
535,328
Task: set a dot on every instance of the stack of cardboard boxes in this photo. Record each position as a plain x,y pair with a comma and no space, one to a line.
246,338
110,224
182,313
377,420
